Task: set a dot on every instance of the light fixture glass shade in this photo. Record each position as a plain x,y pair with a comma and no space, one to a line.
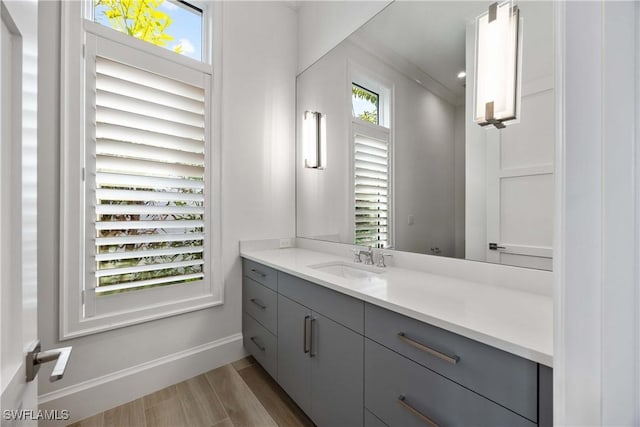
498,65
314,130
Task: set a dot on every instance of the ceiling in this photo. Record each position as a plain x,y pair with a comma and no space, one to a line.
430,35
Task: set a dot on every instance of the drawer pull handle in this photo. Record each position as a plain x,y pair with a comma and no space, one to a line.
259,304
306,344
403,402
450,359
255,341
259,273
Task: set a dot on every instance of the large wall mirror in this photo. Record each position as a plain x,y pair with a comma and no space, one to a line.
398,161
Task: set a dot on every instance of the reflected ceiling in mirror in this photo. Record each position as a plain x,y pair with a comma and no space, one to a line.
406,166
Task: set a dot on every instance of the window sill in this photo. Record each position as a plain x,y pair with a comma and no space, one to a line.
149,313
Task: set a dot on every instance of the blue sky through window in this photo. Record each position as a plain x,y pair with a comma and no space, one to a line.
185,28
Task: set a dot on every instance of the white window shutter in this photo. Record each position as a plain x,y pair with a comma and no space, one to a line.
149,218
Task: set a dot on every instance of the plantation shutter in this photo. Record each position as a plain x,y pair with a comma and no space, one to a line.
149,179
371,187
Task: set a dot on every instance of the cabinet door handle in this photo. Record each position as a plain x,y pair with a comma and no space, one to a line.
259,273
306,345
255,341
311,353
450,359
259,304
403,402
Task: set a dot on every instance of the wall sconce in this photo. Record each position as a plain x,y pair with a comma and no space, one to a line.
314,130
498,65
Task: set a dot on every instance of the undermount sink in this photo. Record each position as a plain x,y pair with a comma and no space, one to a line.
348,271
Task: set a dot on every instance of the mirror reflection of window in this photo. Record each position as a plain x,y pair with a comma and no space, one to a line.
371,188
371,142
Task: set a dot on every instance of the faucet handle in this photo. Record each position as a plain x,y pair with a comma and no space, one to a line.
381,262
356,255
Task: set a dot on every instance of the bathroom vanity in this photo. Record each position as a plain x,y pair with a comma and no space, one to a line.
357,345
390,156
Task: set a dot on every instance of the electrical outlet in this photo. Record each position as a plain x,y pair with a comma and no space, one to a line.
285,243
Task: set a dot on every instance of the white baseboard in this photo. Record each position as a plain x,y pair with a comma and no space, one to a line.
91,397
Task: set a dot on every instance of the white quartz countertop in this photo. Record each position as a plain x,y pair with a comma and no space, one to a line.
512,320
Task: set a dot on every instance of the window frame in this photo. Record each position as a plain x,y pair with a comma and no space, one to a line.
80,313
108,33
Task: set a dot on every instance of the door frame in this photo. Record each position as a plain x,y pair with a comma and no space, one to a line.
597,175
19,305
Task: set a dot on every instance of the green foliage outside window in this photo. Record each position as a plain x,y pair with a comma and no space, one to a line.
370,116
141,19
137,247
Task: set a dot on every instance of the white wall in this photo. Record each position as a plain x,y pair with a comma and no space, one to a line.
324,24
323,194
424,169
257,135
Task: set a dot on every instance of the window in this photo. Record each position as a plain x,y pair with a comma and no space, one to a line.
176,26
365,104
138,169
371,161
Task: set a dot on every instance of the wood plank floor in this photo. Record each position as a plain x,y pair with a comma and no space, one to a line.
240,394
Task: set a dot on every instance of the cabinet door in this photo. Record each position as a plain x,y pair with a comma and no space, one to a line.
337,396
294,363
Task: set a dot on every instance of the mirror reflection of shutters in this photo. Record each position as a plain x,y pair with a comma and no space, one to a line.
372,194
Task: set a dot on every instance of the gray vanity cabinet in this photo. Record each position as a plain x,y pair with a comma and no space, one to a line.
294,363
337,368
502,377
402,393
260,343
259,314
320,363
347,363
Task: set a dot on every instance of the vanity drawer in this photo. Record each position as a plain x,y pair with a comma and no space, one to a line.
502,377
261,343
402,393
261,303
341,308
260,273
